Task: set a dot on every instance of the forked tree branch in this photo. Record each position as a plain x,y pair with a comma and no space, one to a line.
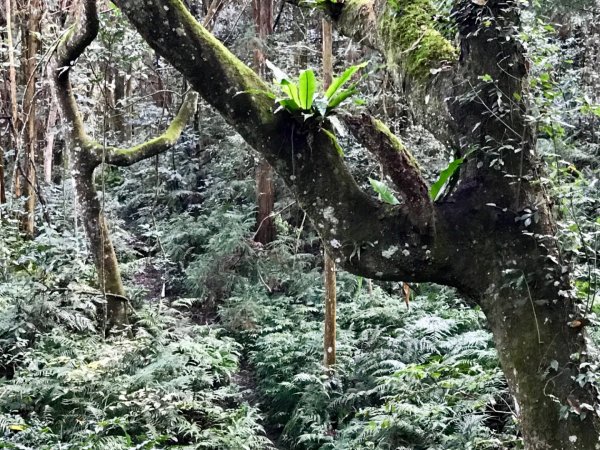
72,45
363,235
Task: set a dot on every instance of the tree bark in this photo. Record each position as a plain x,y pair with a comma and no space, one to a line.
31,40
497,211
88,154
329,333
101,246
12,75
50,138
265,187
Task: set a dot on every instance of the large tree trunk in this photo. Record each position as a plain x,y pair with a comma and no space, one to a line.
491,235
541,356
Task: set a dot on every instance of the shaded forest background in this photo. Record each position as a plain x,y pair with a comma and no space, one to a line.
224,348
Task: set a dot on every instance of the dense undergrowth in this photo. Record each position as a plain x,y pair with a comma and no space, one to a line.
420,378
424,377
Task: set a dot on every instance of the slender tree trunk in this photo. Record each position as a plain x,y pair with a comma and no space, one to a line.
128,111
329,335
29,109
101,246
89,154
329,338
2,181
12,75
265,188
115,97
50,138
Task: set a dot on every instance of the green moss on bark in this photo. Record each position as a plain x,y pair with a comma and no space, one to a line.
407,30
396,143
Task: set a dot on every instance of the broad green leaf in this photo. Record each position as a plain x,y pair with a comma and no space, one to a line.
385,193
338,82
334,140
444,177
287,103
291,90
343,95
307,85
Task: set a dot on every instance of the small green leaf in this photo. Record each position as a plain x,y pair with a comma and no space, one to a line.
385,193
338,82
486,78
444,177
334,140
307,85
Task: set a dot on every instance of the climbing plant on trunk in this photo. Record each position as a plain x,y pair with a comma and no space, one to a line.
88,154
490,234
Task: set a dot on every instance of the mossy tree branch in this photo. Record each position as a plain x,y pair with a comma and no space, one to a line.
361,233
398,163
77,38
128,156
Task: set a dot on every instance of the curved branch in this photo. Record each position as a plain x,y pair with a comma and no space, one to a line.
398,163
157,145
72,45
363,235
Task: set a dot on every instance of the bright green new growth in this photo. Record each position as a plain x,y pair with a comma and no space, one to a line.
445,176
407,29
385,193
301,96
